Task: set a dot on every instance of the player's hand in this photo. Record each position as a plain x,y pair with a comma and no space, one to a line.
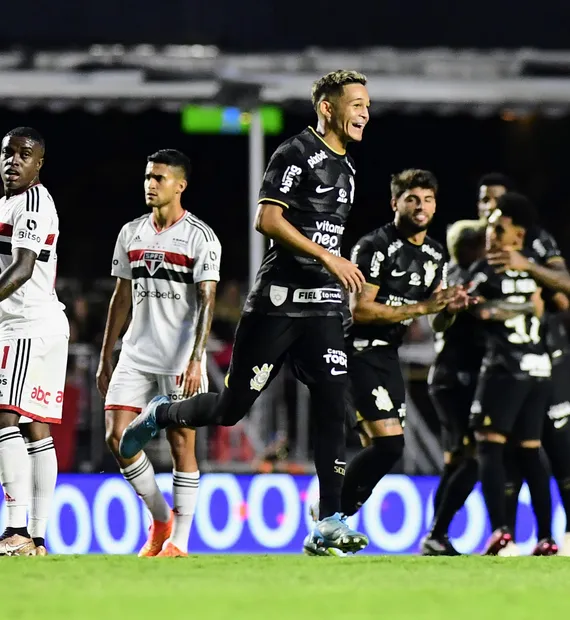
104,373
440,299
190,380
348,274
508,259
462,301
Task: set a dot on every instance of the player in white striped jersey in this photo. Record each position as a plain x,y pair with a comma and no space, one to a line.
167,266
34,334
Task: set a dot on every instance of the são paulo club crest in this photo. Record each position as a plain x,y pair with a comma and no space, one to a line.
153,261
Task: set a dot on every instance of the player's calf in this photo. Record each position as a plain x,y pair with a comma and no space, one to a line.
370,465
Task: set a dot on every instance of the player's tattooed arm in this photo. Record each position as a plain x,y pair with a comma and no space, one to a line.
502,310
366,310
192,377
206,292
18,272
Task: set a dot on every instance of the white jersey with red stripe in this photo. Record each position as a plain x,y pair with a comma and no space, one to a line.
164,267
29,220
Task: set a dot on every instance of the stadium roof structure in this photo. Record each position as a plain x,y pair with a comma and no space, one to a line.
140,77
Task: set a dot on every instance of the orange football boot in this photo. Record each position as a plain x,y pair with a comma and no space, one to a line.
158,534
170,551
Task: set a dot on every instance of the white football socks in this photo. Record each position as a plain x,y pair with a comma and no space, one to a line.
140,475
184,496
15,476
43,479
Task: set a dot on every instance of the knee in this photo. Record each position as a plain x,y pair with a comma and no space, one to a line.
37,431
113,436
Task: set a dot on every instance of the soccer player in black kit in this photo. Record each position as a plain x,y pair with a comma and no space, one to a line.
405,278
513,391
452,381
295,307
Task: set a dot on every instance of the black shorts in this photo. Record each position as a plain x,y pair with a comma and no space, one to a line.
510,406
377,385
313,345
452,403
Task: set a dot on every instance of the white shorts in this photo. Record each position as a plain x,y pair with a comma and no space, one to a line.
32,377
131,389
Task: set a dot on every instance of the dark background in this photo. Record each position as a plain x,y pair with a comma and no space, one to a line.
267,24
95,165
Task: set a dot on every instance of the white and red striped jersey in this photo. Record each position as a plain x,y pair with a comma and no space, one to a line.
29,220
164,267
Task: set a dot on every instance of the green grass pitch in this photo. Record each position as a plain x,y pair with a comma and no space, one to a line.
273,587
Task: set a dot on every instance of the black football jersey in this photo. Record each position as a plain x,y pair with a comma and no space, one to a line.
406,274
516,345
461,347
545,249
315,186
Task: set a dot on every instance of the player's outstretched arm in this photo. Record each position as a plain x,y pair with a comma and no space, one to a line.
555,276
18,272
366,310
270,222
117,315
206,300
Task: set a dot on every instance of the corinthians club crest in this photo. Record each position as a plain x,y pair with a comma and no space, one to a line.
153,261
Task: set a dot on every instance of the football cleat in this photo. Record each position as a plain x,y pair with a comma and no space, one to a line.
158,533
14,544
546,546
499,539
142,429
438,545
313,545
170,551
333,533
509,551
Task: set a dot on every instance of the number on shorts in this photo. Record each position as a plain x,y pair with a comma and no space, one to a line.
5,356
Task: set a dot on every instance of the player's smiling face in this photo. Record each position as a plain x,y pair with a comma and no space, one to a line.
351,112
161,184
415,208
20,162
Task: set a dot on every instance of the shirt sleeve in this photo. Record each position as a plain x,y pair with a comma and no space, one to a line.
121,267
546,247
207,258
477,281
369,259
31,229
282,176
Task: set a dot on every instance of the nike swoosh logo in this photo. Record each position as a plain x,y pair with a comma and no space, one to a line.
322,190
397,273
337,462
334,371
10,549
560,423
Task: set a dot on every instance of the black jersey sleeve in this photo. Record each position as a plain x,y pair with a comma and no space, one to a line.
545,246
370,260
283,175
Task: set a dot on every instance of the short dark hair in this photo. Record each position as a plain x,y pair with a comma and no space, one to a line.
408,179
332,84
519,208
171,157
27,132
497,178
